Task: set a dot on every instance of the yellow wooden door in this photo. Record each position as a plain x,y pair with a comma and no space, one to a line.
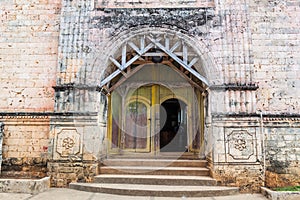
136,123
137,127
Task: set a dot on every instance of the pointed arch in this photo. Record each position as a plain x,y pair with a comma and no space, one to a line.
191,58
159,43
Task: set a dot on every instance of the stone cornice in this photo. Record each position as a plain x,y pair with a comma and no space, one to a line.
154,4
65,87
282,117
186,20
241,87
41,115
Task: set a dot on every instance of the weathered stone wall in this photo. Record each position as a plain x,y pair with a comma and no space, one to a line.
29,32
75,148
282,151
153,3
25,146
226,30
276,55
274,44
249,178
28,54
249,53
236,152
1,142
63,173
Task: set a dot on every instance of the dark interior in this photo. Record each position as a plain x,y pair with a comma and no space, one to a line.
173,137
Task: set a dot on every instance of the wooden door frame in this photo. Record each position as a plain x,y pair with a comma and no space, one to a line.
152,141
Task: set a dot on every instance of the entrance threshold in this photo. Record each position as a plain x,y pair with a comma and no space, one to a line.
161,155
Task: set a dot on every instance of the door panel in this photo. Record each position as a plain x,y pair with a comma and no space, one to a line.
137,134
137,122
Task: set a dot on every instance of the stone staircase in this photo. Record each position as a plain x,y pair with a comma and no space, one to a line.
155,177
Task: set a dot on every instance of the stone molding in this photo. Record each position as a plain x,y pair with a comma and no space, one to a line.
41,115
186,20
266,117
250,86
65,87
47,118
153,3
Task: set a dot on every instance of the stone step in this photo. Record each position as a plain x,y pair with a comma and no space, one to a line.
155,179
162,155
155,162
179,171
155,190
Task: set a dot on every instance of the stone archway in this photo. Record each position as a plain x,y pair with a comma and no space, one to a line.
102,66
154,46
151,50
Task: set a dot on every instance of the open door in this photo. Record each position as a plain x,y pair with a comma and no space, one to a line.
173,133
155,117
154,68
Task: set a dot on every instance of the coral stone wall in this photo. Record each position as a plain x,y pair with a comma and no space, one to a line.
276,55
249,51
29,32
25,146
28,54
282,153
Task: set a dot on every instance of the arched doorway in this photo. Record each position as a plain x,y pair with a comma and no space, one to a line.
151,78
173,123
154,118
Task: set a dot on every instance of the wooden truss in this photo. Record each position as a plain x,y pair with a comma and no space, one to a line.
178,52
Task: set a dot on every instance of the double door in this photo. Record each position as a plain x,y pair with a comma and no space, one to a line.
151,119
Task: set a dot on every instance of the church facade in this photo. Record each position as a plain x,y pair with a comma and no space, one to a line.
83,80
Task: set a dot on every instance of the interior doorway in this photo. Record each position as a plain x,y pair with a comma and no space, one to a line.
173,126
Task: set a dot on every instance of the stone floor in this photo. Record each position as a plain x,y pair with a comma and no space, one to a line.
69,194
